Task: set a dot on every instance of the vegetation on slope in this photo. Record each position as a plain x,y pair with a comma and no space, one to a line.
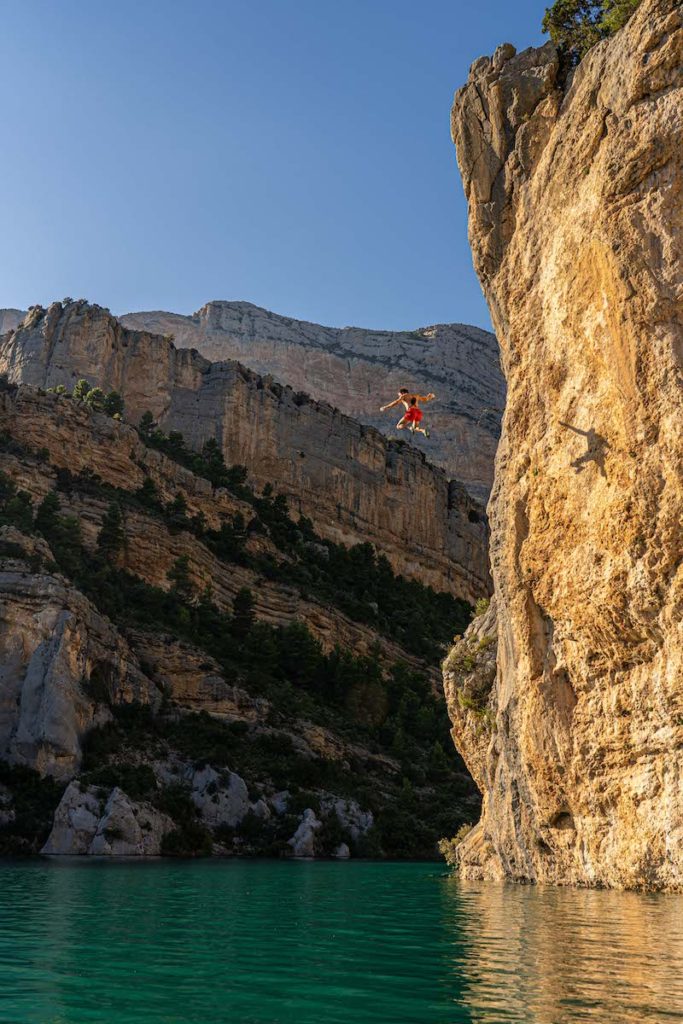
356,580
389,711
27,803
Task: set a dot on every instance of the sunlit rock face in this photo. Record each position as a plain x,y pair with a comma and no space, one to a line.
354,484
357,370
576,226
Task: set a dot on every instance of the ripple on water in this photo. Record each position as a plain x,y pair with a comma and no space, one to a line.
231,941
542,954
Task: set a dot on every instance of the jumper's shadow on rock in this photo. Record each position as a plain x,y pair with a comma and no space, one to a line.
597,447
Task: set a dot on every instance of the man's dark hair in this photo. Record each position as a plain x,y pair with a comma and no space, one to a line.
403,391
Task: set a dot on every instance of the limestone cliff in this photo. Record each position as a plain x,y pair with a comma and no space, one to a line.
347,366
51,640
114,453
575,193
353,483
215,677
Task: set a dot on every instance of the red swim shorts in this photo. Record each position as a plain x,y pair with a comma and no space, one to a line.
413,415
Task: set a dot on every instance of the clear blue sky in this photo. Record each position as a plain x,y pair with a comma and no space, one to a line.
294,153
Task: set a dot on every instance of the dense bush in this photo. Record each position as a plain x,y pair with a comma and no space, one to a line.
190,838
16,507
33,802
136,780
448,848
577,25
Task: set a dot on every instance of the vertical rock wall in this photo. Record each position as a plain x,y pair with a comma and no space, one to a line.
575,193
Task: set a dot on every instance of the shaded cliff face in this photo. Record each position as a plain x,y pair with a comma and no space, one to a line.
353,483
576,224
10,318
51,639
185,720
346,366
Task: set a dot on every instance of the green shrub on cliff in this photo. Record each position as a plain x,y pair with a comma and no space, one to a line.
577,25
16,507
112,536
448,848
81,390
31,805
113,404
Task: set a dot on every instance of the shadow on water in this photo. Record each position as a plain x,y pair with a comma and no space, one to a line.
275,942
541,955
597,447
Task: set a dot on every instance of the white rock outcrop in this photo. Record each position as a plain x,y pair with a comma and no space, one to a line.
222,798
303,840
350,815
86,825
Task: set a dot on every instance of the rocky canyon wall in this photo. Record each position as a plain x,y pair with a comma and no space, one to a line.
575,193
118,627
357,370
351,481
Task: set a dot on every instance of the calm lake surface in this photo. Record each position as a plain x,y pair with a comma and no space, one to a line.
354,943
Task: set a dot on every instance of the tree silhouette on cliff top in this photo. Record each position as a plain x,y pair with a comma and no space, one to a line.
577,25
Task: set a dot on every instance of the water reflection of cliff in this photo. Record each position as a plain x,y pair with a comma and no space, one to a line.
560,956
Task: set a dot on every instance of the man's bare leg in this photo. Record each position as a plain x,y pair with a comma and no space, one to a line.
401,423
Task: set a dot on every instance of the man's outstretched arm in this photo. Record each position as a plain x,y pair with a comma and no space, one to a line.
426,398
583,433
391,405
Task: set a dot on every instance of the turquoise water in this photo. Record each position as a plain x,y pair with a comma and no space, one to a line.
330,943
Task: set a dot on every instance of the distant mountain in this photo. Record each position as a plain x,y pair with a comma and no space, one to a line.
10,318
358,370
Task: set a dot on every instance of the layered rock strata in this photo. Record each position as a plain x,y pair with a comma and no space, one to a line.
116,455
460,363
353,483
346,366
151,731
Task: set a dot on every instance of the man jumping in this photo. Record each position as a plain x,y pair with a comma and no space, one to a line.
412,417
